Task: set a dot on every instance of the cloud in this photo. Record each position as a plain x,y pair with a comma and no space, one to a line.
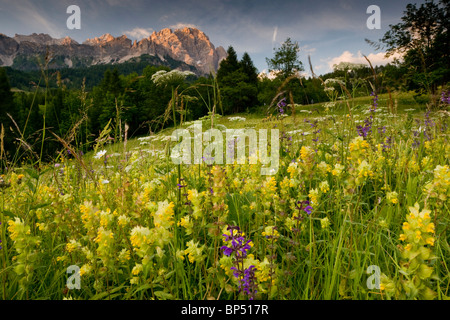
39,21
275,32
181,25
375,58
139,33
306,49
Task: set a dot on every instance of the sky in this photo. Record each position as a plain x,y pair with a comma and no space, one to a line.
329,31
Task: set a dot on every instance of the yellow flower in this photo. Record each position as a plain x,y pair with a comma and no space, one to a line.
194,252
137,269
364,169
324,167
139,236
61,258
164,215
406,226
292,169
41,226
122,220
430,228
313,195
418,234
337,169
403,237
270,232
324,223
16,228
358,145
124,255
306,153
324,186
85,269
392,197
270,186
430,241
72,246
180,254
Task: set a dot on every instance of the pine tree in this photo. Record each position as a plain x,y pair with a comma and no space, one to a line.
228,65
249,69
6,107
238,81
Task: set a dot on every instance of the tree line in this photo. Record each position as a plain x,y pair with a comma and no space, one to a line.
125,93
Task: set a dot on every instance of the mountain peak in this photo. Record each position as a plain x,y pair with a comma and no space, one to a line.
42,38
107,37
68,41
186,44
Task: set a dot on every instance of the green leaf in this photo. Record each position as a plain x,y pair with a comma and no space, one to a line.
163,295
40,205
108,294
424,271
32,173
8,214
428,294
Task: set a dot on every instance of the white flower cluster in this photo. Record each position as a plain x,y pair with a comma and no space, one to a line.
163,77
236,118
348,66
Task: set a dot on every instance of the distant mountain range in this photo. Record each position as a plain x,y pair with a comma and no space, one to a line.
190,46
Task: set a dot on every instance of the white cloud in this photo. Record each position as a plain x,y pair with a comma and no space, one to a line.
306,49
181,25
275,32
374,58
139,33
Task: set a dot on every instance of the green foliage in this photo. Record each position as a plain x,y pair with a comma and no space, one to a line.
286,59
238,81
424,39
73,78
6,107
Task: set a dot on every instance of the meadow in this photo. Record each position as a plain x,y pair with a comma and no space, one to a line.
358,209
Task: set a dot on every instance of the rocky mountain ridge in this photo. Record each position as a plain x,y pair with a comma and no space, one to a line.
188,45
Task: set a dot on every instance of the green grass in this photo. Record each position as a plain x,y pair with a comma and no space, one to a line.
136,234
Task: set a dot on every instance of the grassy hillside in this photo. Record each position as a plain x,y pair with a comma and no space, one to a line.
350,213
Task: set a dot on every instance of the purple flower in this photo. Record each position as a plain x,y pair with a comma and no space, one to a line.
381,130
281,104
303,206
227,251
248,284
308,209
240,246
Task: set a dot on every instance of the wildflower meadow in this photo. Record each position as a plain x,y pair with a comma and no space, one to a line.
357,209
166,168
